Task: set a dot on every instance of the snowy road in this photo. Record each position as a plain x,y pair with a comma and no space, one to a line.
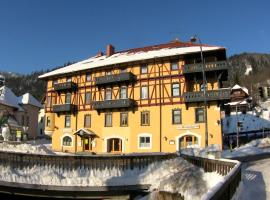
256,180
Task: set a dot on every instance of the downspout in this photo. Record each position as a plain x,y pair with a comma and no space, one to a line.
160,110
76,114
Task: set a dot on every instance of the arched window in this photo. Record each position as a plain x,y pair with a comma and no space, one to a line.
67,141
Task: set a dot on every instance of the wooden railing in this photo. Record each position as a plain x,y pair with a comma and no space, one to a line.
210,66
231,171
22,160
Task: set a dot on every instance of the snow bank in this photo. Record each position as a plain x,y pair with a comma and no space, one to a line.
254,147
35,147
175,175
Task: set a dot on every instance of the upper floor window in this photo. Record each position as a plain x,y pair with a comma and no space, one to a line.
68,98
144,69
175,90
177,116
108,94
87,121
55,81
49,101
108,72
144,92
87,97
108,119
67,121
174,65
88,77
199,115
69,79
124,119
123,70
123,92
145,118
48,121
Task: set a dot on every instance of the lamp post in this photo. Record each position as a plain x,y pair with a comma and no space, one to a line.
204,86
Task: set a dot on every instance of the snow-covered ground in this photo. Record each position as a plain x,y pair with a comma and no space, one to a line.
41,146
257,146
175,175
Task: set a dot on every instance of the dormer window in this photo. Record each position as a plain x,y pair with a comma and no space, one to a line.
69,79
144,69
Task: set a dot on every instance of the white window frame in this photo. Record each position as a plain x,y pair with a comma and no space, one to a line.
145,135
144,92
108,93
123,88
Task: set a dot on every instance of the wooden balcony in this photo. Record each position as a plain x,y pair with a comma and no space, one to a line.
211,95
126,77
113,104
69,86
60,108
210,66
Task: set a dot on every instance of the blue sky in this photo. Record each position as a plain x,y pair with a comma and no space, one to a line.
39,34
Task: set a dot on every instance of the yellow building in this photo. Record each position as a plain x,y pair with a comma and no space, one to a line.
139,100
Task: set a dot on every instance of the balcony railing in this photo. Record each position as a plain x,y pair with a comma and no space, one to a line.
211,95
210,66
116,78
64,108
110,104
65,86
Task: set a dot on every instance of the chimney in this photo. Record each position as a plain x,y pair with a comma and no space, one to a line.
100,53
109,50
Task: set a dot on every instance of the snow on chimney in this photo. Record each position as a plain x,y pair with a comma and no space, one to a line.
100,53
109,50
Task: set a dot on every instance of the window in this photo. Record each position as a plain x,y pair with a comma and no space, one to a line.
68,98
108,73
144,142
22,120
67,121
123,70
176,116
87,97
144,69
123,92
87,121
175,90
55,81
49,101
174,65
67,141
144,92
123,119
48,121
88,77
108,119
145,118
108,94
68,79
199,115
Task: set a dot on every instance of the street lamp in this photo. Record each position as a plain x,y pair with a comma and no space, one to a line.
204,86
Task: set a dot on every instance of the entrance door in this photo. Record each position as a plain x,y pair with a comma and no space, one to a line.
87,144
114,145
187,141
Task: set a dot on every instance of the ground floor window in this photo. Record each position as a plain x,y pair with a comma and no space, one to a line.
144,142
114,145
67,141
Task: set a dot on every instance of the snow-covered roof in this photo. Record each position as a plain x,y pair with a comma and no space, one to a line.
7,97
236,87
237,103
27,98
158,51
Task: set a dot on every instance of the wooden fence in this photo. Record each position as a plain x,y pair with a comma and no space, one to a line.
231,171
93,162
